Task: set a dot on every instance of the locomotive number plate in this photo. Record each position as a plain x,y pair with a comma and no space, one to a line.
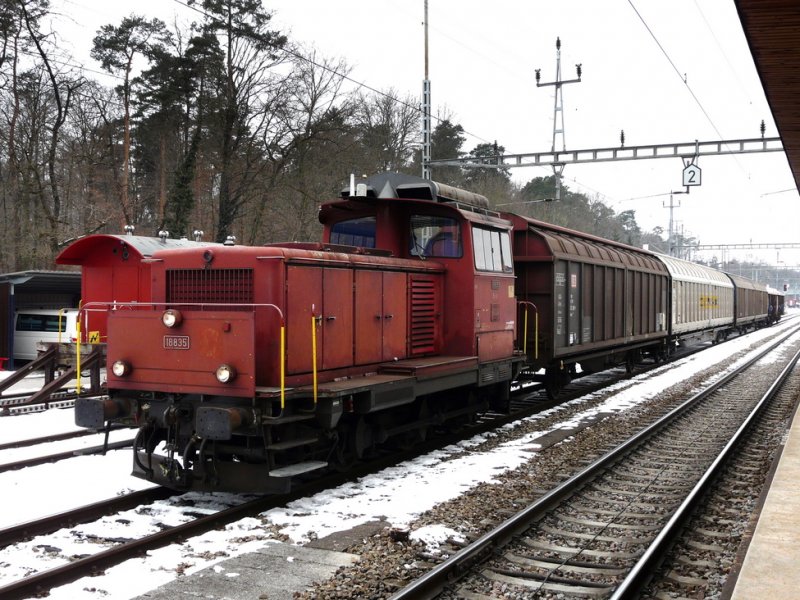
176,342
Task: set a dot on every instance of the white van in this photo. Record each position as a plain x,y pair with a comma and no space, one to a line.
42,325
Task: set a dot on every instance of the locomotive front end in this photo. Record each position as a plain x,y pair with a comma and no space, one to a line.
186,379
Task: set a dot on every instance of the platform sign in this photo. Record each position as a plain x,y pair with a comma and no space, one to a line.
691,175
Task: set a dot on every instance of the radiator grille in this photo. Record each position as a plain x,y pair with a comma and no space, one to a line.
210,286
424,315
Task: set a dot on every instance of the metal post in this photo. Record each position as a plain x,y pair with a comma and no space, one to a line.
426,109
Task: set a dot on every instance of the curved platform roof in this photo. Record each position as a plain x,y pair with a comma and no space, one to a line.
771,28
92,247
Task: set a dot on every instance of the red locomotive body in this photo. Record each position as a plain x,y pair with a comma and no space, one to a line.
252,365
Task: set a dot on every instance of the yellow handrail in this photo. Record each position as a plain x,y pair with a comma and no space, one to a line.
535,329
314,352
77,355
283,365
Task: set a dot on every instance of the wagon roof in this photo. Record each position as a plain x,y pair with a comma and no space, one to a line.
744,283
684,270
567,244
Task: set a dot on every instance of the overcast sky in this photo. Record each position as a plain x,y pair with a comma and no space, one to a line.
664,72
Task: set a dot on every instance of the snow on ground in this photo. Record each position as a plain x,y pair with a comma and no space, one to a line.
398,494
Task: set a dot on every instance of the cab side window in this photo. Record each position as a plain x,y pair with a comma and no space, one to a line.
355,232
437,237
492,250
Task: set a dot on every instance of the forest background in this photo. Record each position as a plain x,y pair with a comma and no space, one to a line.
225,127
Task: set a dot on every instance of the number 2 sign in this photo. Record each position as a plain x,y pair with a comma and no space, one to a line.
691,175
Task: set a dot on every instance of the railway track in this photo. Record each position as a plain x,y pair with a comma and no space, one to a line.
39,582
46,439
82,514
57,456
20,403
601,532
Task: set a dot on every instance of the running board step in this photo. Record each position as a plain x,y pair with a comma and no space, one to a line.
298,469
289,444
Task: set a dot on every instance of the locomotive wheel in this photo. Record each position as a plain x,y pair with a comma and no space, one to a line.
355,438
345,455
423,414
499,396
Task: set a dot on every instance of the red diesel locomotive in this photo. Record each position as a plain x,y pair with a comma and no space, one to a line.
252,365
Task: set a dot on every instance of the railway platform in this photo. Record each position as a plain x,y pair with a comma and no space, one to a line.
769,569
275,571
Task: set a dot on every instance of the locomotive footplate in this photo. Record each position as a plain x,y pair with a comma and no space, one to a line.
206,476
400,382
423,368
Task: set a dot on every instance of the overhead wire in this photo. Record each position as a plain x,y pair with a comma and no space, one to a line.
359,84
683,77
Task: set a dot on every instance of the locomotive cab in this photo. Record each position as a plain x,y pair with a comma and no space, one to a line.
423,220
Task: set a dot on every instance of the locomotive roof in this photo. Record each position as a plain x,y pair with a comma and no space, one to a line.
398,185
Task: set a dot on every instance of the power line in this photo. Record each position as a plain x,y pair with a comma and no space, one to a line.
677,72
359,84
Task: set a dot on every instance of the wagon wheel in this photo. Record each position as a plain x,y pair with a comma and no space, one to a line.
553,383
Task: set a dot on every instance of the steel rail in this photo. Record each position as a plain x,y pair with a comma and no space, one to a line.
643,569
46,439
82,514
41,460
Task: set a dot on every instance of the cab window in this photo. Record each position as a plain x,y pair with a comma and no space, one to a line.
492,250
355,232
435,237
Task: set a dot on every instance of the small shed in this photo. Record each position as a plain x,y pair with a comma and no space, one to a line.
114,269
33,289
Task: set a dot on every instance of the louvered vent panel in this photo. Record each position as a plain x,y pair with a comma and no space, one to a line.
210,286
424,317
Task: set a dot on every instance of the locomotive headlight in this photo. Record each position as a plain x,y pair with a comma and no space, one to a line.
120,368
171,318
225,373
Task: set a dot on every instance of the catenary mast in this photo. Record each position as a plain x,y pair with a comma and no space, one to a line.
426,109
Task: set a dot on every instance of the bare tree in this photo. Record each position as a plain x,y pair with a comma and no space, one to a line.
389,128
251,49
304,130
62,88
116,47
